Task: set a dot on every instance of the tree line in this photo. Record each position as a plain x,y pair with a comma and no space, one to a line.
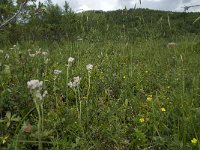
48,21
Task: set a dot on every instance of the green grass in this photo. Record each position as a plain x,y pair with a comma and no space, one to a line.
124,75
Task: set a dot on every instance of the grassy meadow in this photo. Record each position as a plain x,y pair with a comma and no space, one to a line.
101,93
138,95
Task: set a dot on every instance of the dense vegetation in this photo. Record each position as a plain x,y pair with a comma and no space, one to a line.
130,90
50,22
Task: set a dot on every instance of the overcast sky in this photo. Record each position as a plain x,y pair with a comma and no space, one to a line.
172,5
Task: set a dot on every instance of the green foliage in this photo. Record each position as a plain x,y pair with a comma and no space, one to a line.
140,94
124,75
50,22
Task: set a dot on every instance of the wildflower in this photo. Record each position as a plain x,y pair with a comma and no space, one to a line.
38,52
163,109
149,98
89,67
44,53
35,84
124,77
77,80
70,61
70,84
7,56
32,55
57,72
194,141
75,83
141,120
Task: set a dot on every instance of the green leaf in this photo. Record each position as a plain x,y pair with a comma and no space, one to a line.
8,115
8,124
15,118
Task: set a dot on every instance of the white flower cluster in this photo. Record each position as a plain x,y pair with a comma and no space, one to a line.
70,61
36,86
57,72
39,52
89,67
75,83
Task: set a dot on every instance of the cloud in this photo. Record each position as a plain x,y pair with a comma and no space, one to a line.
172,5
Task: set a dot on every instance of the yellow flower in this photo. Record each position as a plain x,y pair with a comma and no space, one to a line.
194,141
141,120
149,98
163,109
124,77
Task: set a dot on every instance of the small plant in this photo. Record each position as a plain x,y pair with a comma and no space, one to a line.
35,87
70,63
7,122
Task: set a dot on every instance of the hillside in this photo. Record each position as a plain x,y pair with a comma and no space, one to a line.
57,25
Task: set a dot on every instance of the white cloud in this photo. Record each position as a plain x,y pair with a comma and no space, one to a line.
172,5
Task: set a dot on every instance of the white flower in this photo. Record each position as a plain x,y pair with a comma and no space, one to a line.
89,67
57,72
7,56
38,52
75,83
31,55
70,61
70,84
77,80
44,53
34,84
